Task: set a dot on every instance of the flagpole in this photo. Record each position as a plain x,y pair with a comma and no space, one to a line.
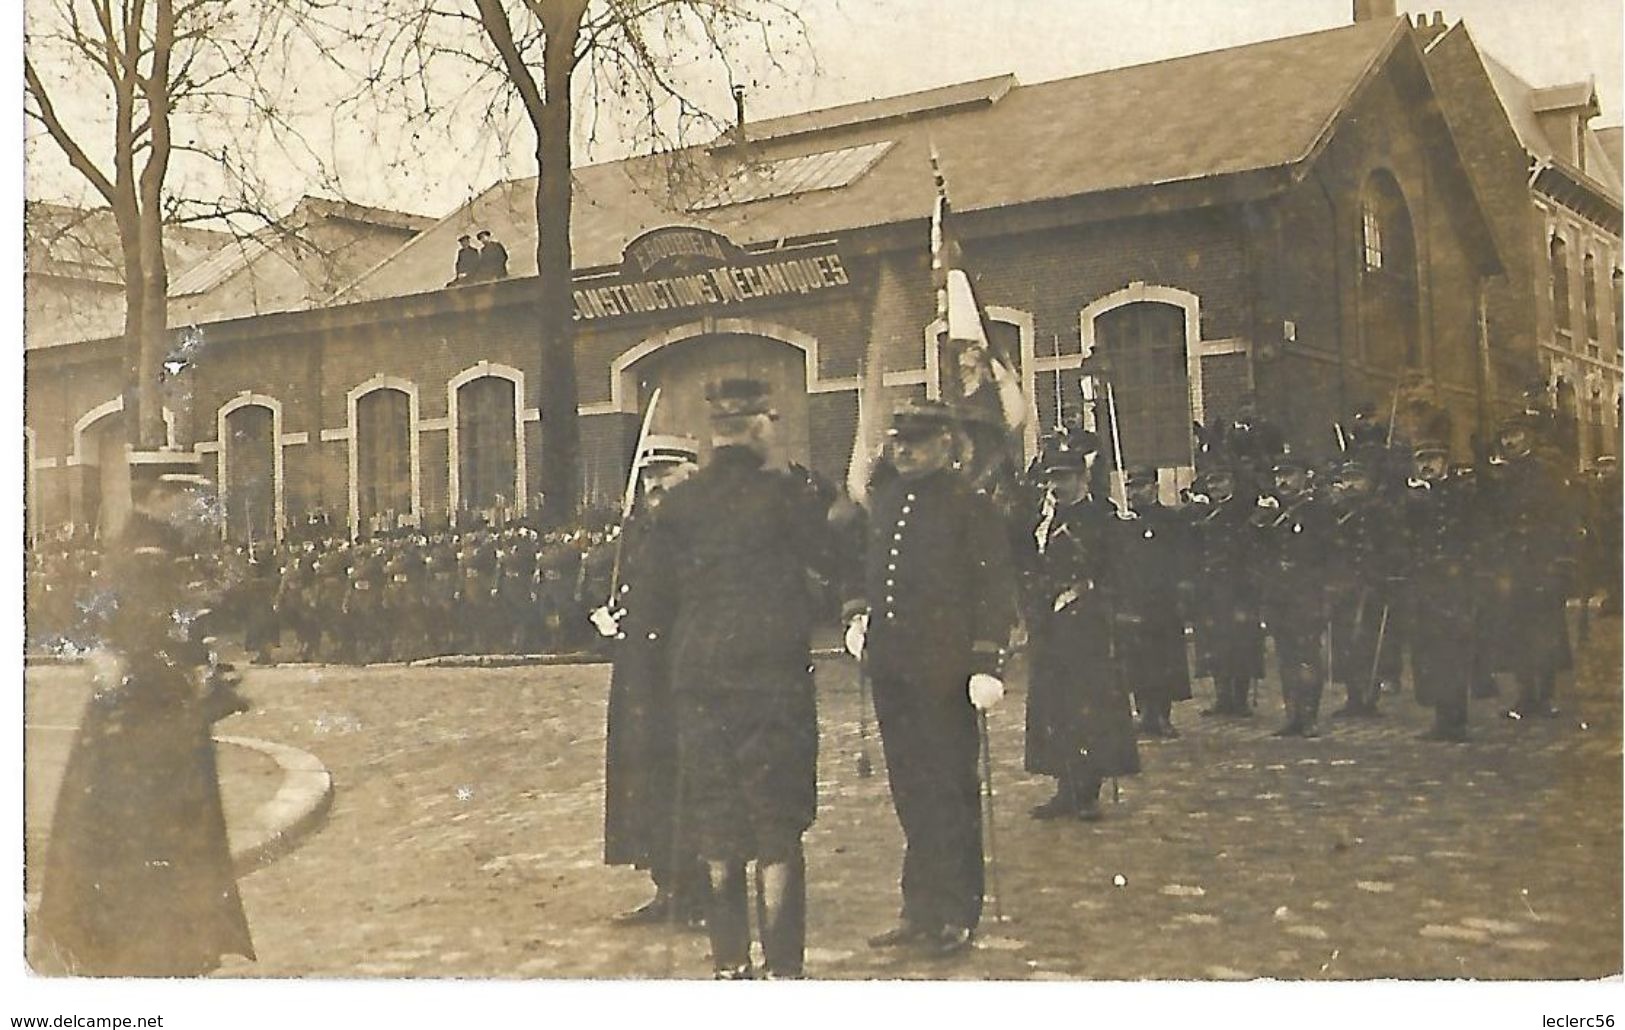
1060,403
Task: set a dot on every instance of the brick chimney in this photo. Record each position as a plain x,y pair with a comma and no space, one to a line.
1429,30
1374,10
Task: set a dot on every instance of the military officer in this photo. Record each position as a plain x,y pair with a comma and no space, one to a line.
1294,529
1229,643
1150,554
740,536
1538,528
1441,533
1360,568
1080,728
932,621
640,753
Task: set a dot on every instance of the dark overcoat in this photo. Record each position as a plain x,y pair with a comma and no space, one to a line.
138,878
1150,558
640,750
741,539
1079,721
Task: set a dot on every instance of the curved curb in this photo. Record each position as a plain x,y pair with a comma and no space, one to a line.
298,807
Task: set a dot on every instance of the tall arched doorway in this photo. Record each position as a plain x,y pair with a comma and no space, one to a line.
250,487
487,469
382,476
683,369
101,450
1141,350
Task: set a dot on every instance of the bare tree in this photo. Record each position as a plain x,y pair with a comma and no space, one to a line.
641,64
131,92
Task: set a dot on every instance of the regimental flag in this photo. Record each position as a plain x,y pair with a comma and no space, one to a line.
873,418
979,379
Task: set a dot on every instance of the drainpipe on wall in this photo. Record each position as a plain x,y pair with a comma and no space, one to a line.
1486,371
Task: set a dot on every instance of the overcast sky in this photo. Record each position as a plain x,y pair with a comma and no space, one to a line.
869,48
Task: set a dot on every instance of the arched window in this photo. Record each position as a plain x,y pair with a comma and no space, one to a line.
383,458
1619,309
250,482
1140,350
1390,316
487,451
1560,283
1589,269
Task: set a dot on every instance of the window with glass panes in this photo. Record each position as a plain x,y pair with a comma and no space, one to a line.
1371,234
1589,270
1141,351
487,458
383,455
1560,283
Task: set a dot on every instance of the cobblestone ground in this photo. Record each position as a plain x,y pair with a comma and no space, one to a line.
465,836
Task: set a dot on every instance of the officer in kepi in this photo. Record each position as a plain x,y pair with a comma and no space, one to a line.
640,753
1150,552
1080,727
931,619
739,539
1440,595
1294,531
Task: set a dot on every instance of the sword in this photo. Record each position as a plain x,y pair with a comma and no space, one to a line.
992,835
631,493
1376,659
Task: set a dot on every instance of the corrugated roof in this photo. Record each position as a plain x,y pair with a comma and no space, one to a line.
1265,105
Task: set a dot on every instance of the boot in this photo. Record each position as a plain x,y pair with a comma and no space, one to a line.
656,910
728,922
1062,804
782,888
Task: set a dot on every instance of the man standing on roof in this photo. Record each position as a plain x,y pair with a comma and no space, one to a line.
493,260
468,261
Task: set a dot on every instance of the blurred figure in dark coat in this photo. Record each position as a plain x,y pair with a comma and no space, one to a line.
138,878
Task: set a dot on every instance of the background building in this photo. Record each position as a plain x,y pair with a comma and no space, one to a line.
1293,224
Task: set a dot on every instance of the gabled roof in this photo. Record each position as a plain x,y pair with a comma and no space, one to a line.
1525,103
1267,105
226,262
1566,97
1612,141
83,243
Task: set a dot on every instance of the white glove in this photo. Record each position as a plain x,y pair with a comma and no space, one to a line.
1064,599
606,622
857,634
985,691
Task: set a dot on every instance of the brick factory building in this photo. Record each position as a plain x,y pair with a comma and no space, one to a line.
1291,223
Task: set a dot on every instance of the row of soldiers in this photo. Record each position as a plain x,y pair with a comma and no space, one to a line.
712,737
404,596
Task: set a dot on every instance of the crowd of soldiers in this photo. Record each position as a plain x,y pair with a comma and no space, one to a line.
404,595
395,596
717,577
1340,568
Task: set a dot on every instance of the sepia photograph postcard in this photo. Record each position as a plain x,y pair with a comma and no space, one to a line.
540,508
